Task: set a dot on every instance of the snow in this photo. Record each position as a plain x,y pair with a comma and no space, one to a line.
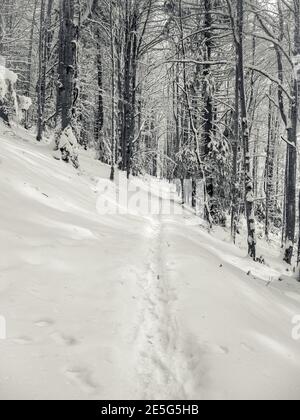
8,80
67,139
24,102
67,144
7,77
102,306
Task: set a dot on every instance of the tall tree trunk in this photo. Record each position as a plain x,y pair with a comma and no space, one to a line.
113,94
127,85
249,196
27,89
44,53
235,147
41,82
100,107
208,109
270,166
255,164
68,89
133,88
291,173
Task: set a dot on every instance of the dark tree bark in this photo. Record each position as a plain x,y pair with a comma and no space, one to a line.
100,106
208,112
249,196
134,52
130,50
194,194
68,91
68,88
235,149
27,89
291,172
270,166
113,94
41,88
45,39
126,94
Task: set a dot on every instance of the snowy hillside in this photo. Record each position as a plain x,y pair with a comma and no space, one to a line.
129,306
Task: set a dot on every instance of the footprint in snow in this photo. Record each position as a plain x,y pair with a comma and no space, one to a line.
44,323
64,339
83,378
216,349
22,340
247,348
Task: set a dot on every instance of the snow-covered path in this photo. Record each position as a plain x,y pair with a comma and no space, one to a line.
233,332
128,307
209,330
158,330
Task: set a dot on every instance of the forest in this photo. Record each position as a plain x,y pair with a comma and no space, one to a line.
149,200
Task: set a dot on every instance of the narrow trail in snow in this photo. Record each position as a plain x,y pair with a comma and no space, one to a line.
157,331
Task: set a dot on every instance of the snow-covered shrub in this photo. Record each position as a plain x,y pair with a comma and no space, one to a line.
24,103
8,80
8,96
67,144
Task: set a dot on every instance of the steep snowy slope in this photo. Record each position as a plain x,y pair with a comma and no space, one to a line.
128,306
67,282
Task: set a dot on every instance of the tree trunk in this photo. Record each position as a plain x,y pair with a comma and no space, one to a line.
194,193
127,85
249,196
235,147
41,82
100,107
44,52
208,111
67,94
113,94
133,89
291,173
270,167
27,89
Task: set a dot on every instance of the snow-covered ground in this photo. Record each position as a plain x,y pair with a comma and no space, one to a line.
130,306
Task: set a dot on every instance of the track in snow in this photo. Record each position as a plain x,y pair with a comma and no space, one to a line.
157,337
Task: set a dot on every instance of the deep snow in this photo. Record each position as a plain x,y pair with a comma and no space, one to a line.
130,306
